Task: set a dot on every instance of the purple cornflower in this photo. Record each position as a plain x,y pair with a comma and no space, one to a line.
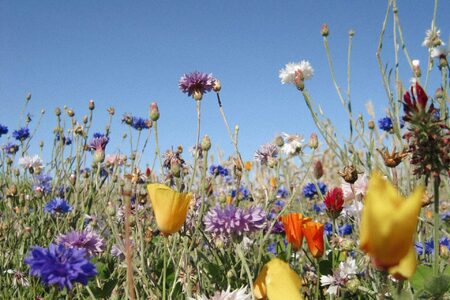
88,240
11,148
196,84
43,183
57,265
385,124
21,134
140,123
266,153
234,221
309,190
278,226
57,205
98,143
218,170
3,130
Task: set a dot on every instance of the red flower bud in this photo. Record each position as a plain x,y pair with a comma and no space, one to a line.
334,201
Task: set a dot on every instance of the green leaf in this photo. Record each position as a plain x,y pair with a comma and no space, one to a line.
423,273
438,285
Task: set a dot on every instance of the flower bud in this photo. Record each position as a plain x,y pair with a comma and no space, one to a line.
206,143
318,169
28,97
334,202
313,141
351,33
349,174
57,111
91,104
279,141
197,95
439,93
352,285
70,112
111,110
271,162
324,30
371,124
154,112
416,67
217,86
85,119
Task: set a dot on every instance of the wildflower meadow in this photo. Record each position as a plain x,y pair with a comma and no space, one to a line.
359,213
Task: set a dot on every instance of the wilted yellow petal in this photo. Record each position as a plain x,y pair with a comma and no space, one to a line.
169,206
277,281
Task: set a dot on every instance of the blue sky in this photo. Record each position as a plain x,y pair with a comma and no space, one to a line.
129,54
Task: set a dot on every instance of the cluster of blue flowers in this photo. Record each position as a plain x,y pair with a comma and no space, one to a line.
21,134
242,193
65,140
343,230
57,205
429,246
140,123
218,170
309,190
282,192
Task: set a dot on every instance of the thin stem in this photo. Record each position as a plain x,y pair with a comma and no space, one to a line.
157,151
437,181
196,153
165,269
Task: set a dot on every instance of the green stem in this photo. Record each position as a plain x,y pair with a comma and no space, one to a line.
196,146
164,269
437,181
157,151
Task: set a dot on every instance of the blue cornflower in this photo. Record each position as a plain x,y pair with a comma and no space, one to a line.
428,247
43,183
11,148
140,123
21,134
445,216
279,203
345,229
58,265
278,227
318,207
218,170
309,190
3,130
243,193
385,124
65,140
272,248
97,135
328,229
282,192
437,114
445,242
57,205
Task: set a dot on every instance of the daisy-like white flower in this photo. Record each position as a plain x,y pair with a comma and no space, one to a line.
32,163
19,278
347,269
287,75
293,144
239,294
432,38
359,188
266,154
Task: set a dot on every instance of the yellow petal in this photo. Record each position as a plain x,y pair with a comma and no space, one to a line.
169,206
277,281
389,221
407,266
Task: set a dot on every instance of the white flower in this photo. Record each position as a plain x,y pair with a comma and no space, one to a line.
239,294
19,278
415,63
287,74
116,159
340,277
353,210
293,144
439,51
359,188
328,280
28,162
432,38
347,268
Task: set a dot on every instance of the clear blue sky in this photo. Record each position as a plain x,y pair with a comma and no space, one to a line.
127,54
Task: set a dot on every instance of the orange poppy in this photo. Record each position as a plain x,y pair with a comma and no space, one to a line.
293,227
313,232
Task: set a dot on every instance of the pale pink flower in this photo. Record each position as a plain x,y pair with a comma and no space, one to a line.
359,188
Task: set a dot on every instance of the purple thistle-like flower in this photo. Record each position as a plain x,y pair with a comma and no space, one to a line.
11,148
196,82
57,205
3,129
98,143
234,221
265,153
21,134
86,239
58,265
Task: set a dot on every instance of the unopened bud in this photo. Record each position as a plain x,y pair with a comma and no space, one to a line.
197,95
154,112
70,112
324,30
85,119
371,124
206,143
111,111
353,285
272,162
416,67
351,33
28,97
217,86
318,170
57,111
91,105
439,93
41,144
313,141
279,141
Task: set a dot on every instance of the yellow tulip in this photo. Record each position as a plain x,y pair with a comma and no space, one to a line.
277,281
388,226
169,206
